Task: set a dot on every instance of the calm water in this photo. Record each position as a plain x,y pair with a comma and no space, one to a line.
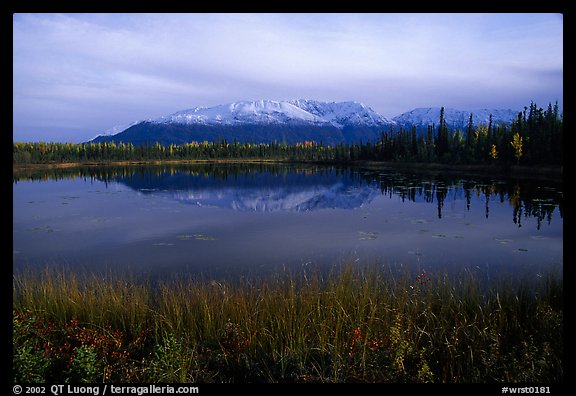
226,219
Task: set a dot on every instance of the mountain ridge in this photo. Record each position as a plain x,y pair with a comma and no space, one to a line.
290,121
338,114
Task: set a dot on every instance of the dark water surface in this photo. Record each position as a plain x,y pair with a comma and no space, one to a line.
253,219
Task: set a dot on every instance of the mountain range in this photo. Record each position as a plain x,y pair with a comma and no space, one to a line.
291,121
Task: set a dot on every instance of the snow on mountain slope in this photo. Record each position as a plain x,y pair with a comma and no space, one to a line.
422,117
341,114
295,112
119,128
258,112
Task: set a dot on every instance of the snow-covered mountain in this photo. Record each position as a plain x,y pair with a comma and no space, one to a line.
261,121
295,112
455,119
290,121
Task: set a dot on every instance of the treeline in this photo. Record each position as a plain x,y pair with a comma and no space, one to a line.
41,152
535,137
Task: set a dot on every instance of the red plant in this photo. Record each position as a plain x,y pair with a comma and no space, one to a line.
375,344
423,279
357,338
355,342
60,340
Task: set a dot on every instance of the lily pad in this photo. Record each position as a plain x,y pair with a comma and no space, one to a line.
522,250
367,235
202,237
162,244
44,229
185,237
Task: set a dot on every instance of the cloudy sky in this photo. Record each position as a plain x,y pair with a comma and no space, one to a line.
78,75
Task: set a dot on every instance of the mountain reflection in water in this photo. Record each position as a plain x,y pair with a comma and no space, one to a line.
261,192
255,217
269,188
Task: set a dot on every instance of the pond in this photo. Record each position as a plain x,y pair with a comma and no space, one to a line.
239,219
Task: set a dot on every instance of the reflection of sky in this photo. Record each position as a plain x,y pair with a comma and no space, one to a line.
284,220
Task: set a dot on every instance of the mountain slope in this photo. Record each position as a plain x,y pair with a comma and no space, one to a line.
171,133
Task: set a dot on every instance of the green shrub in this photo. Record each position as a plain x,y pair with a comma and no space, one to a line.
85,366
29,365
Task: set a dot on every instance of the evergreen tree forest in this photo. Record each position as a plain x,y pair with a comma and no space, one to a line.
534,138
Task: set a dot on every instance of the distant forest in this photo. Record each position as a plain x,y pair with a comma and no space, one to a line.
535,137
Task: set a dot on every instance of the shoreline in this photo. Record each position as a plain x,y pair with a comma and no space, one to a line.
519,171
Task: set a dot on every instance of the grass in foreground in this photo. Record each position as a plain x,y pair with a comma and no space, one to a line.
354,325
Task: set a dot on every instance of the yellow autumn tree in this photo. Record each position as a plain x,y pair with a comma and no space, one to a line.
517,145
493,152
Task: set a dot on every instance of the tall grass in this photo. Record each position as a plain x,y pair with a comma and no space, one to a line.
63,296
353,324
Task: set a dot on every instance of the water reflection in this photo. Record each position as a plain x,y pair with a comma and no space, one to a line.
220,219
269,190
274,187
527,199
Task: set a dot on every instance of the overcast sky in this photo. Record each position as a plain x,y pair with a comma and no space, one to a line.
78,75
